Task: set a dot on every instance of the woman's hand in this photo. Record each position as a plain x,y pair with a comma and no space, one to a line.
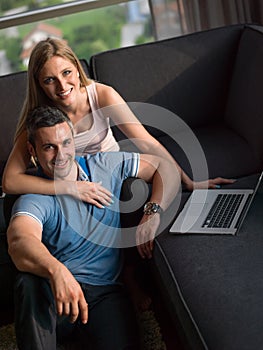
211,183
93,193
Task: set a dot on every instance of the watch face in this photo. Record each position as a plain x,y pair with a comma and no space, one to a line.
154,207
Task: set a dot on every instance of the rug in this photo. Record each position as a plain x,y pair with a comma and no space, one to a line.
151,336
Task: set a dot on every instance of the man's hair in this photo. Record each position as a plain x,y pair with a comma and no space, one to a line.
45,116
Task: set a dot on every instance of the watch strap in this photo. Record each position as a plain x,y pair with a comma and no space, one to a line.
152,208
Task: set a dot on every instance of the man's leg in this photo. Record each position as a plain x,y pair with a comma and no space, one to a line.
112,323
35,314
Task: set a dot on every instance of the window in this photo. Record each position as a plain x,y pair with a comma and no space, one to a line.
167,18
91,26
87,32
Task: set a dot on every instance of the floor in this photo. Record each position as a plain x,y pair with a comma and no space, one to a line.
169,333
6,317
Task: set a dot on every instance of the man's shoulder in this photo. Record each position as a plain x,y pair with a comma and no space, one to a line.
35,205
102,162
35,198
36,195
111,156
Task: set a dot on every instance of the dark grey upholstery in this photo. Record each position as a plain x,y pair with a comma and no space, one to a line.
244,103
198,77
211,285
12,94
195,68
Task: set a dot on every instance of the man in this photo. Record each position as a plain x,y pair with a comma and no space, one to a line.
67,250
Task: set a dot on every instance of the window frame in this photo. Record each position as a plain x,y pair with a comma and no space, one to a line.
54,11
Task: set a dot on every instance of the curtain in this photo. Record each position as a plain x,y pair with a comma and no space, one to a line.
205,14
176,17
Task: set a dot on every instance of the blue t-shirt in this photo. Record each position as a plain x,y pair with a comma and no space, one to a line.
83,237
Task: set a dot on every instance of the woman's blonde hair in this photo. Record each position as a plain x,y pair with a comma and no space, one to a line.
42,52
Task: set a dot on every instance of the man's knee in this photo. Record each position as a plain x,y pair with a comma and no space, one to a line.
31,289
26,283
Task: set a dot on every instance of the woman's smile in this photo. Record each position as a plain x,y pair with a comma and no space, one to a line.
65,94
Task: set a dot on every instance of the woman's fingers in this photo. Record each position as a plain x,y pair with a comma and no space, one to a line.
212,183
94,193
218,181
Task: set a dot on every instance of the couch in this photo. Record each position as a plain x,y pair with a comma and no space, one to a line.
200,96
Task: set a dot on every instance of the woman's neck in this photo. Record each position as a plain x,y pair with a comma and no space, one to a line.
80,108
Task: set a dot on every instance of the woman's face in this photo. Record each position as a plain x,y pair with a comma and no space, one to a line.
59,79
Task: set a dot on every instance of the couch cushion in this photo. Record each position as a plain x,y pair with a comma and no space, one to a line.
85,66
245,108
188,75
12,94
211,151
213,284
7,268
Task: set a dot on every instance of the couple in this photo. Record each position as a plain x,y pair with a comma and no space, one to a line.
56,78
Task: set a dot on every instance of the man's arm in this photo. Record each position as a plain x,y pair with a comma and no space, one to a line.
166,181
29,254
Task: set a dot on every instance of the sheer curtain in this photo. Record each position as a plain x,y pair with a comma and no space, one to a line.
175,17
206,14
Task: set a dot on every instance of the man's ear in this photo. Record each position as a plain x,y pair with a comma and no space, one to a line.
31,149
33,154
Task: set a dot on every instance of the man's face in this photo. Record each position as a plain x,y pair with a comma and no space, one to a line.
55,151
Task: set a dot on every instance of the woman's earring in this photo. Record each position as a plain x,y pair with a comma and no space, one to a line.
34,161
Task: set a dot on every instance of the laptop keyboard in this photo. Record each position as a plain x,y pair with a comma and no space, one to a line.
223,211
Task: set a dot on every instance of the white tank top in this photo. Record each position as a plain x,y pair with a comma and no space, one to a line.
99,137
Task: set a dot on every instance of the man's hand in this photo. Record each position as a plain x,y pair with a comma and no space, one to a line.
145,234
69,298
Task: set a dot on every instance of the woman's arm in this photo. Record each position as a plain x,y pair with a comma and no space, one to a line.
15,181
124,118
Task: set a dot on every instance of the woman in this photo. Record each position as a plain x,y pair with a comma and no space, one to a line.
56,77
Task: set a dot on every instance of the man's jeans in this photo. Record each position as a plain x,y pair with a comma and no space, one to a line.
111,323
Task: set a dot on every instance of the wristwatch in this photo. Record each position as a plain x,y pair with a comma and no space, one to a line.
152,208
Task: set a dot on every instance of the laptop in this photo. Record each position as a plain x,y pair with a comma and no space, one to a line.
215,211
